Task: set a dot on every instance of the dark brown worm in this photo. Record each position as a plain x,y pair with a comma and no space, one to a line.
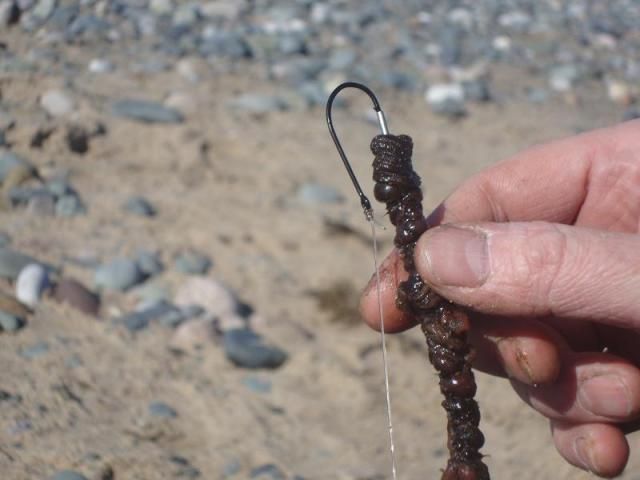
444,324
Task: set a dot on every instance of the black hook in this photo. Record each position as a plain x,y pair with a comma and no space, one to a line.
364,201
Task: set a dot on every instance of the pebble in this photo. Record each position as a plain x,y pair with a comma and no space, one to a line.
57,103
267,472
562,78
9,161
214,296
149,263
162,410
192,262
446,99
12,263
245,348
43,9
11,323
70,291
139,206
78,139
67,475
9,13
145,111
5,240
158,311
620,92
118,274
161,7
100,65
36,350
70,205
257,384
42,204
258,104
33,281
193,334
316,193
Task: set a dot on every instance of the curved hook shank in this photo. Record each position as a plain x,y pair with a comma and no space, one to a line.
364,201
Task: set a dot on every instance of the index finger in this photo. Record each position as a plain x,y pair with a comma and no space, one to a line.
547,182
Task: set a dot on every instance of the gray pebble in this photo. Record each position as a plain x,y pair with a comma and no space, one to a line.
161,409
139,206
192,262
8,161
10,323
119,274
258,104
145,111
267,472
342,59
43,9
149,263
562,78
231,468
246,349
314,193
67,475
70,206
34,351
12,263
42,204
5,240
257,384
477,90
60,187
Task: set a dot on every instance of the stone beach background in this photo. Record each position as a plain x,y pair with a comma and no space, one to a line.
181,251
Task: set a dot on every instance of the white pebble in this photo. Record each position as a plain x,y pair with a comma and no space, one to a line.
32,282
441,93
100,65
215,297
619,92
57,103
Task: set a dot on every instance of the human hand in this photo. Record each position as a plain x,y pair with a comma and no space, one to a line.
544,249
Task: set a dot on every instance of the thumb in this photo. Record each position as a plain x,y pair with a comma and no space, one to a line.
535,268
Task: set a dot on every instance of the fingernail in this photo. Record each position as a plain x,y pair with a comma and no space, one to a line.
456,257
583,450
605,395
512,348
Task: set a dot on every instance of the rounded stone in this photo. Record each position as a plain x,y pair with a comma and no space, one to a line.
10,323
33,281
214,296
57,103
72,292
67,475
119,274
192,262
245,348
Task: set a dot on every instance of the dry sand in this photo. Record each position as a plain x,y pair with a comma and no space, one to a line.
226,183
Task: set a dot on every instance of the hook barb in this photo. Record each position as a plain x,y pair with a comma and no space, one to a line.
364,201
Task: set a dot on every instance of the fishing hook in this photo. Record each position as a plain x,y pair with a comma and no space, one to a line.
364,201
